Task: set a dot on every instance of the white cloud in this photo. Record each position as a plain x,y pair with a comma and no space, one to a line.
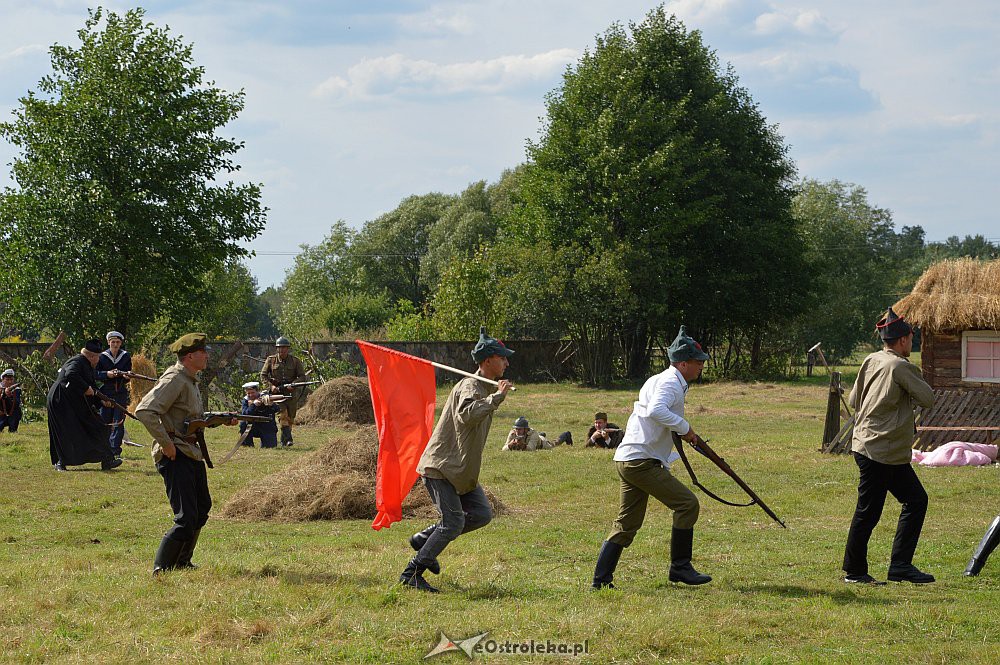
702,11
22,50
397,75
809,23
436,23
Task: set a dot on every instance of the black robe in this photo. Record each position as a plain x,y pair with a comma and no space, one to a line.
77,435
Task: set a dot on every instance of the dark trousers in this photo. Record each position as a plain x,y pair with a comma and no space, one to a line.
115,419
460,513
876,481
186,481
11,422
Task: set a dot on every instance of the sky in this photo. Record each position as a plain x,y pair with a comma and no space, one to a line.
351,106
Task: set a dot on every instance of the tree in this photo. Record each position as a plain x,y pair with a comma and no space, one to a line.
652,156
318,274
122,204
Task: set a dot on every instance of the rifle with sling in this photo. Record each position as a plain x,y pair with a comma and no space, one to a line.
700,445
194,429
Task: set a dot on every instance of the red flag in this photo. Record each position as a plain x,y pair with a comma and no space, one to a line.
403,396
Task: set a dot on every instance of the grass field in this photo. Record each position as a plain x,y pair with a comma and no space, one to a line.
76,552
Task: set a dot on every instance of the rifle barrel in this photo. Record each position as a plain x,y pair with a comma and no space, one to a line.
702,447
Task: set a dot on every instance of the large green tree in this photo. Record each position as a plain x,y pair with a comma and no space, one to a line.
653,157
122,203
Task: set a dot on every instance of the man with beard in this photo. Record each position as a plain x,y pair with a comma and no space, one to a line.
77,435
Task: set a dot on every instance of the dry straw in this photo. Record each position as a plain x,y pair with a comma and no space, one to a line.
139,387
344,399
960,294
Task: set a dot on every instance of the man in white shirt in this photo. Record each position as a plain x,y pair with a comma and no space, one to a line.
643,461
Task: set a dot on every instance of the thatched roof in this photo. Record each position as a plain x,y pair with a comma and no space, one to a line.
961,294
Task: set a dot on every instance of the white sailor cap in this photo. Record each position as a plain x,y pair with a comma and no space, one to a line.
251,384
7,372
114,333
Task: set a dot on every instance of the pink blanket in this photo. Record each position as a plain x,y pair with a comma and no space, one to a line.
957,453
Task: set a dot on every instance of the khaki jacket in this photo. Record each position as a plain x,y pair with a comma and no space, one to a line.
885,393
455,451
174,399
532,441
277,371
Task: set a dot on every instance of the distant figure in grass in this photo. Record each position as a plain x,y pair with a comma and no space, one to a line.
280,369
10,401
643,462
172,400
523,437
110,364
77,435
451,462
603,434
884,394
256,404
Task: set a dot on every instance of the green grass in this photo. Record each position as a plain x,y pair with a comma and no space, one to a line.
76,552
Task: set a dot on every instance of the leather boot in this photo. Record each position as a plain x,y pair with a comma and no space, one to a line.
607,561
184,560
413,576
986,546
286,435
417,542
167,555
681,570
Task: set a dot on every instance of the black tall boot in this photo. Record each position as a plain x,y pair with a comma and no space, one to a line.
417,542
286,435
986,546
681,570
184,560
607,561
413,576
167,555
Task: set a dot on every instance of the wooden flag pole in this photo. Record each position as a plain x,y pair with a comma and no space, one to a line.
468,374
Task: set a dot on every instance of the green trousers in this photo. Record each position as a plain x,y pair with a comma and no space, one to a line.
640,480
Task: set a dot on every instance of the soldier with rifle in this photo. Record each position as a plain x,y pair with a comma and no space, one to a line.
10,401
284,374
112,365
643,459
603,434
523,437
180,458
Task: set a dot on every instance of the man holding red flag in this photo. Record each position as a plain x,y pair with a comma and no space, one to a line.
451,462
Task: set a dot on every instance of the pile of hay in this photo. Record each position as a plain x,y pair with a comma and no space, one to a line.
334,483
345,399
139,387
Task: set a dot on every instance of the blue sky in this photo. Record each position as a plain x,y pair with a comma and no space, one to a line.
352,106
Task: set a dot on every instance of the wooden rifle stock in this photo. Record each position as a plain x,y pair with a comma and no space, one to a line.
701,446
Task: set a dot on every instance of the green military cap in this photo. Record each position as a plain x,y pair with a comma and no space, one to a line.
189,343
685,348
487,347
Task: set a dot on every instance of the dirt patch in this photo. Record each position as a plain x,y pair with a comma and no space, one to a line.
345,399
334,483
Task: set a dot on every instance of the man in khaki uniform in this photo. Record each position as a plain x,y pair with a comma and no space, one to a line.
886,390
643,461
278,370
451,462
173,399
523,437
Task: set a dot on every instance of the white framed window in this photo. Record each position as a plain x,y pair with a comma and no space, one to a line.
981,356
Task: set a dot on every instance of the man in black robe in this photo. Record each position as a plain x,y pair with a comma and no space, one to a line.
77,435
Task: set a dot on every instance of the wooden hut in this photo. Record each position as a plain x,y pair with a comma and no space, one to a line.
956,305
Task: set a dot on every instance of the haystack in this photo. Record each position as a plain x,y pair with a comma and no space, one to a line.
962,294
345,399
334,483
139,387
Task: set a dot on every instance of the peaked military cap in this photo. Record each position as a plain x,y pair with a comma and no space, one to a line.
891,326
251,384
685,348
7,372
282,341
521,422
487,347
114,333
190,343
93,345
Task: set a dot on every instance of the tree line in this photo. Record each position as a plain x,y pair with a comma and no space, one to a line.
656,194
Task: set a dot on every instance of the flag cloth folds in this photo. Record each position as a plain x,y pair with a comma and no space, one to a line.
403,395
